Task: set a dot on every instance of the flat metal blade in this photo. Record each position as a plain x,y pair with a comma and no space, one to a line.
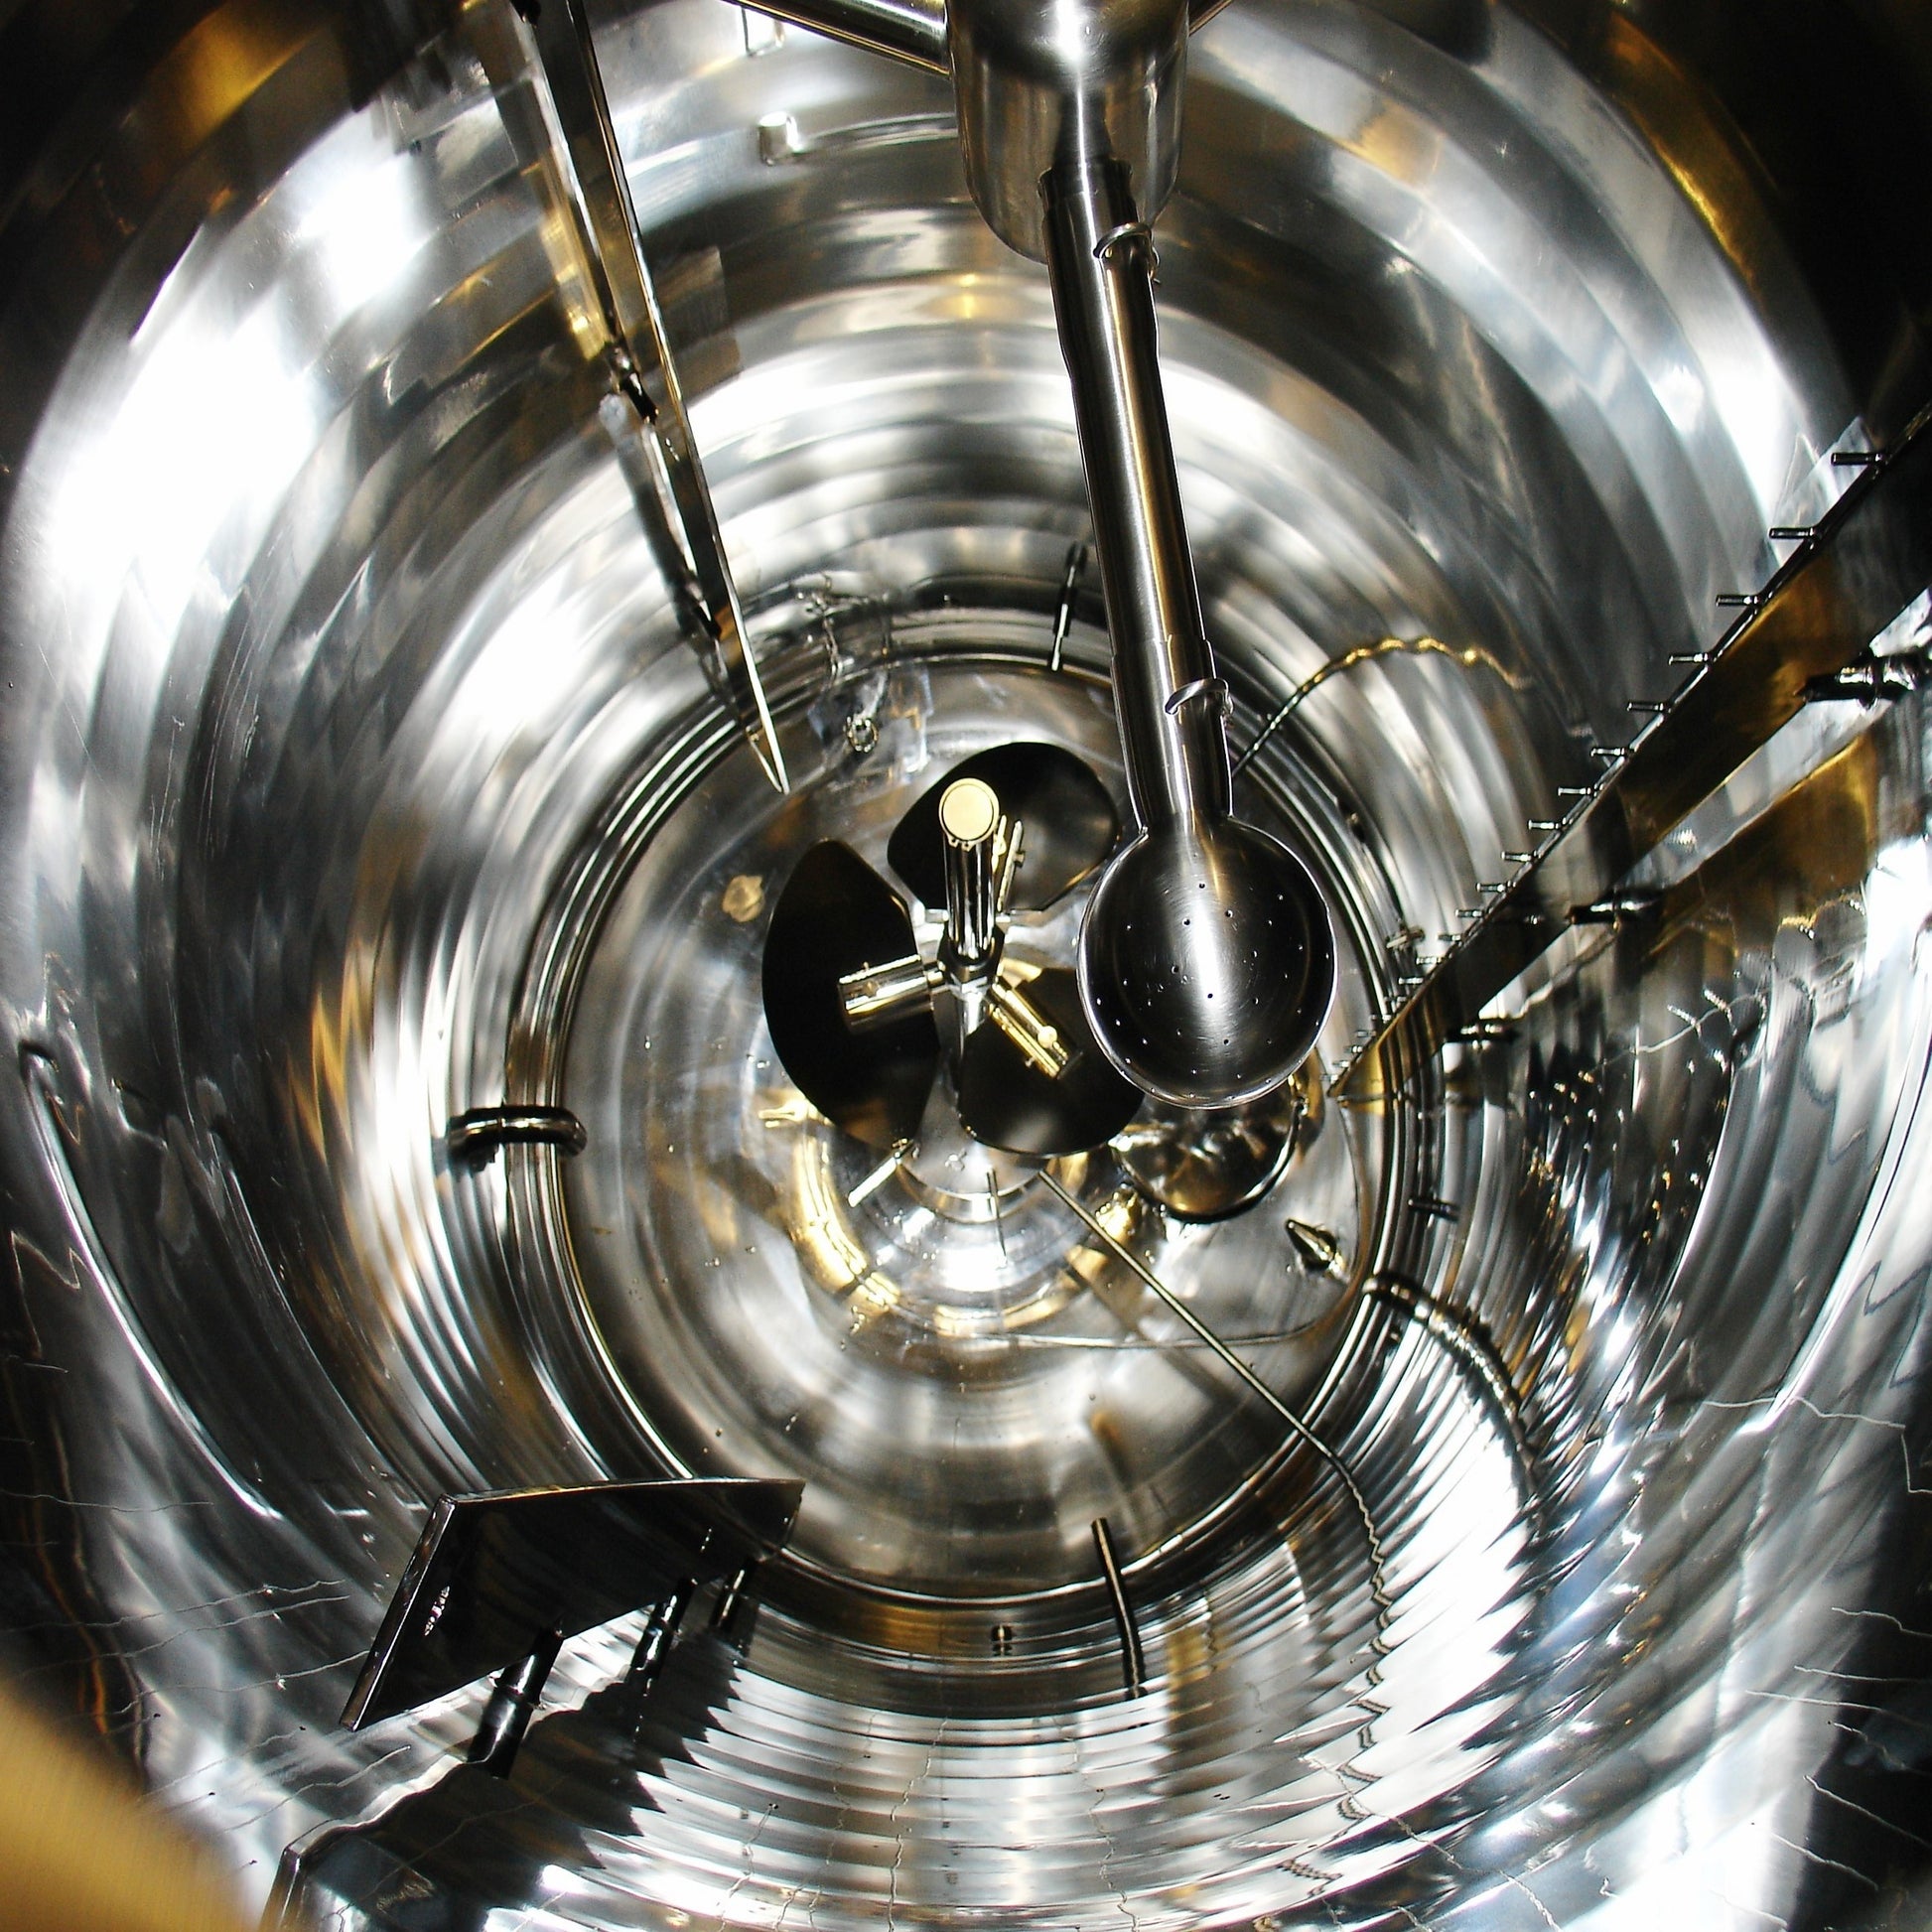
1006,1101
836,917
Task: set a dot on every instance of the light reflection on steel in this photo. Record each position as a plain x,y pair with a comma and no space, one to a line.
357,769
589,159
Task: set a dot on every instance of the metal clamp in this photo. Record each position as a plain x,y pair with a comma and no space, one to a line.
881,995
1022,1022
1210,691
1135,236
473,1138
1870,678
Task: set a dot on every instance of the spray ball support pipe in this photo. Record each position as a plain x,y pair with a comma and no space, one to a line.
1206,955
1069,123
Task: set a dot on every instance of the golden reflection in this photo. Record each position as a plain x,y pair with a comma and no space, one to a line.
874,1295
1816,844
1396,143
81,1851
218,69
565,239
1471,657
820,1229
789,1108
1682,126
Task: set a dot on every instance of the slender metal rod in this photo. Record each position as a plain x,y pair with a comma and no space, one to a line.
1124,1254
1100,260
640,353
1133,1661
969,834
1469,1344
1076,563
1175,1305
969,825
731,1615
908,30
913,31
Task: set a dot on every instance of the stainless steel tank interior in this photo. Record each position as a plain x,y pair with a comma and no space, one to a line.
356,772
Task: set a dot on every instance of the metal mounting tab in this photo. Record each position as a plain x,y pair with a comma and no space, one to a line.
498,1581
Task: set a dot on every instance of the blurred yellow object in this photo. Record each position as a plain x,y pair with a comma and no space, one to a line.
82,1852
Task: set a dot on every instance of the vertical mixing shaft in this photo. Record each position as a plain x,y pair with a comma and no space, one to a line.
1206,957
969,824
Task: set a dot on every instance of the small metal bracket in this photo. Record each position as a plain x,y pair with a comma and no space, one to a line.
1077,564
1314,1247
734,1611
1487,1032
1870,679
1209,691
1640,902
1134,237
473,1138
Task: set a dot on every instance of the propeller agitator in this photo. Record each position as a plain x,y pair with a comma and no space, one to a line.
1206,958
864,1022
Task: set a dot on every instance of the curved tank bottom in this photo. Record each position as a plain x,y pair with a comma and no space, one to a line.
943,1356
357,774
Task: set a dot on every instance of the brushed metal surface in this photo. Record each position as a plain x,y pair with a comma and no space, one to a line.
356,774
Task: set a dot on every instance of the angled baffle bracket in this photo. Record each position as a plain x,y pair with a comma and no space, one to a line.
1803,638
499,1583
585,162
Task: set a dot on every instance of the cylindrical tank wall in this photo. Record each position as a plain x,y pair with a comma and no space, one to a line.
355,765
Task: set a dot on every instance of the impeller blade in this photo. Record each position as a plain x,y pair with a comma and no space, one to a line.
1070,823
1007,1101
837,916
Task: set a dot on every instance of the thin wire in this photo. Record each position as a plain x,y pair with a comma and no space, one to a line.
1132,1663
1159,1344
1361,655
1378,1594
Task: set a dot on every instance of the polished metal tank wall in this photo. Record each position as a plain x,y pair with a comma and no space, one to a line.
356,772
